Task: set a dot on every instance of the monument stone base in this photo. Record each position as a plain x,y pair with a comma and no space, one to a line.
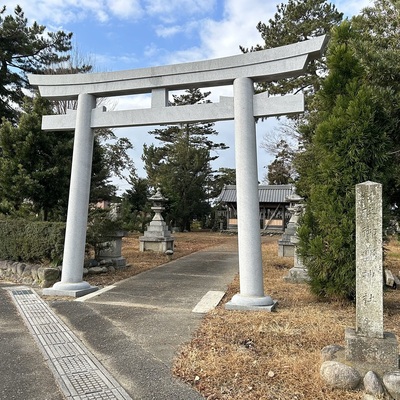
377,354
285,249
117,262
160,245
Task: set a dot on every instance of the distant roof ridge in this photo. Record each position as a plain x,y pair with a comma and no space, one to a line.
267,193
288,185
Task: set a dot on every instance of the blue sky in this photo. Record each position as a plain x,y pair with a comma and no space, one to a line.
127,34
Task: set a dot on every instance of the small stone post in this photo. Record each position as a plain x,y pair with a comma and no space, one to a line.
368,343
251,294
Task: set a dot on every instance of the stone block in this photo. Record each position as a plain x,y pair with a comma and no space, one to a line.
297,275
20,268
391,380
389,278
34,272
27,280
119,262
96,270
329,353
372,384
27,271
14,267
48,276
383,352
340,375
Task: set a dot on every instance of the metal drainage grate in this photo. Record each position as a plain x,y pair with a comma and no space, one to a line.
78,372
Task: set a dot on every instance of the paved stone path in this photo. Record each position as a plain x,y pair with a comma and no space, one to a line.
78,373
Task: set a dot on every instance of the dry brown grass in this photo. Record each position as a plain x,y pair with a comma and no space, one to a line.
259,355
273,356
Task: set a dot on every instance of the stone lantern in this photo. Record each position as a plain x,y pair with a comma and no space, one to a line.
157,237
286,245
299,272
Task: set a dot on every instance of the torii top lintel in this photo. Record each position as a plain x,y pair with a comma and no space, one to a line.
264,65
261,66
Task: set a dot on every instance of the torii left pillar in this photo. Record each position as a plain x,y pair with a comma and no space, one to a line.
72,283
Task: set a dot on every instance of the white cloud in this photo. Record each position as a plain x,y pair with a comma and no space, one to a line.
125,8
170,8
133,102
107,61
168,31
65,11
220,38
58,11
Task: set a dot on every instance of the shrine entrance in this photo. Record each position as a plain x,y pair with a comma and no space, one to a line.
241,71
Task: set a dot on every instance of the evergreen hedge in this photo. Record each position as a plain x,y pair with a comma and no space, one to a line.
349,143
27,241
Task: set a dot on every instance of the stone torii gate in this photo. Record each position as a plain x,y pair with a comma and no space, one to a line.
241,71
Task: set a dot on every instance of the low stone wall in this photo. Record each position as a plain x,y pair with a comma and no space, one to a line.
94,267
27,274
44,277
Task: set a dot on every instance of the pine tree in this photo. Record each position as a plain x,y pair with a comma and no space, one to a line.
25,49
349,144
181,165
296,21
34,165
280,171
135,206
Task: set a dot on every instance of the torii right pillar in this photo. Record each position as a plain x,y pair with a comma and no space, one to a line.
251,296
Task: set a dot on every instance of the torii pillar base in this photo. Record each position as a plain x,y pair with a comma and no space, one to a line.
243,303
70,289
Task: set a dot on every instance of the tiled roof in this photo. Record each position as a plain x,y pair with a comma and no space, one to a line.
266,193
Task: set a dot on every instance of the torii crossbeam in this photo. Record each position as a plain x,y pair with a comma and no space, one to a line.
241,71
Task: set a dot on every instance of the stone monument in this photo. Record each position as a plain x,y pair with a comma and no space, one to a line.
368,343
369,351
157,237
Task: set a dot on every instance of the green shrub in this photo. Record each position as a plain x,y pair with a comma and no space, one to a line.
38,242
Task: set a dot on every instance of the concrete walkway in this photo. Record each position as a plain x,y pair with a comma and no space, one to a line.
133,330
